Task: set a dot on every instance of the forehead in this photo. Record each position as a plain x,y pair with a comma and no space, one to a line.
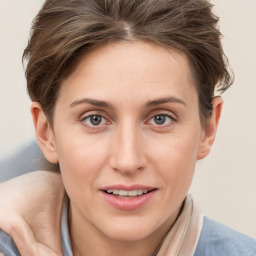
130,67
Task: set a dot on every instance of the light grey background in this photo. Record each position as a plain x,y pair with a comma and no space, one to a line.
225,182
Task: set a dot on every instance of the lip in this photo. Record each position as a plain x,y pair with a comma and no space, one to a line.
130,203
127,187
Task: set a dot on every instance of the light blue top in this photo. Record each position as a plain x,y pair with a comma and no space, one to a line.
66,244
218,240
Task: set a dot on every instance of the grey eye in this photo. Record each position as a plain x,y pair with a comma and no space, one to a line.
95,120
161,119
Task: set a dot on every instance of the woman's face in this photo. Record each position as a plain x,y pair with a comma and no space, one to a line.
127,135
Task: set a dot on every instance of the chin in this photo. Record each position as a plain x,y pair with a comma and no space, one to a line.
129,231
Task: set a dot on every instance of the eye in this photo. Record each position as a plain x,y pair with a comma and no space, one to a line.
161,119
94,120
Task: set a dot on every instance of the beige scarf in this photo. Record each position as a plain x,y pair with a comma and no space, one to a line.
183,237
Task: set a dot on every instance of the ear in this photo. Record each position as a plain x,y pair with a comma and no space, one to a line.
44,132
209,134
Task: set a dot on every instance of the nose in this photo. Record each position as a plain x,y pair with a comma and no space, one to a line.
127,150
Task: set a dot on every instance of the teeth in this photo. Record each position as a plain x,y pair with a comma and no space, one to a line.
133,193
115,192
130,193
123,193
140,192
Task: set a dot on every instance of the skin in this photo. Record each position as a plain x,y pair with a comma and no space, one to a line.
34,217
130,86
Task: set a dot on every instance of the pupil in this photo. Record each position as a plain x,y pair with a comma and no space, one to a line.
159,119
95,120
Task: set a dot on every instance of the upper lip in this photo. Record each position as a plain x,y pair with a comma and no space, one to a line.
127,187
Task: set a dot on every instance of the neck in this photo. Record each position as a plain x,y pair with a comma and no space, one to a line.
87,240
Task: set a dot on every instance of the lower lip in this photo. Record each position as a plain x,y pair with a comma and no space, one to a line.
128,204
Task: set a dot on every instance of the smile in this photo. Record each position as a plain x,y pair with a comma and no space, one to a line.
127,193
128,198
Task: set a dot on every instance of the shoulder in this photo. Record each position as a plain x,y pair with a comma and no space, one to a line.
26,158
7,245
218,240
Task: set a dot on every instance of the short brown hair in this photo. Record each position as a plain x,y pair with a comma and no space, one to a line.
64,30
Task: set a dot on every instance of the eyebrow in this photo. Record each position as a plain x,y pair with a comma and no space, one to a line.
165,100
105,104
98,103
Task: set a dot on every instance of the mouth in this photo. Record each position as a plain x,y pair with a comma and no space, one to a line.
128,197
128,193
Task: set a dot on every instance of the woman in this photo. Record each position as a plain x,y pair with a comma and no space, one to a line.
124,104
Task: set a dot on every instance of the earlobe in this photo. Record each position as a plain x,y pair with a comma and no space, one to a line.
210,131
44,132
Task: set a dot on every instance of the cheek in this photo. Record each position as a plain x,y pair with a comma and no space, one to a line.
177,151
175,158
82,160
80,164
78,153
